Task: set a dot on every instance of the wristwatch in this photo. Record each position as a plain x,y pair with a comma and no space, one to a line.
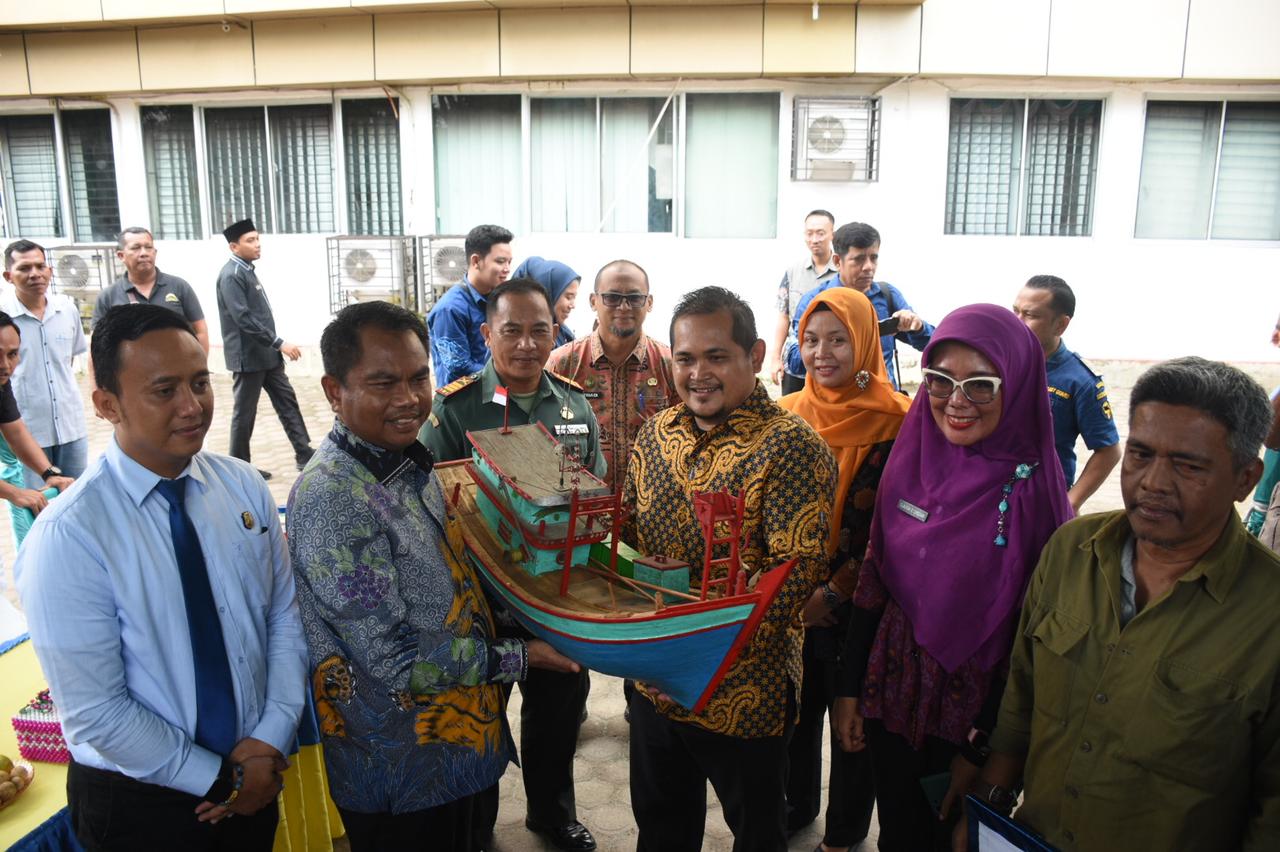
224,786
829,596
50,471
999,798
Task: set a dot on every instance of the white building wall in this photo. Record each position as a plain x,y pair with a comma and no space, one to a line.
1138,299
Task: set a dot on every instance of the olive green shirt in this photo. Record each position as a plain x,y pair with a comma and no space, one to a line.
467,404
1161,734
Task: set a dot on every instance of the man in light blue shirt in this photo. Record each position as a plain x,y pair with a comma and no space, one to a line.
856,248
171,728
44,384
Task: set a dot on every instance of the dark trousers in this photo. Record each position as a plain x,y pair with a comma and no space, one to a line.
790,383
671,763
851,788
110,812
246,388
907,820
550,719
445,828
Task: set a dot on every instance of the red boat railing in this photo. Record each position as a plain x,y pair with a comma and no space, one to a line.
721,507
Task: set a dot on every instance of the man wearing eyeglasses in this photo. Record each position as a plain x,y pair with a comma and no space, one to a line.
624,373
519,330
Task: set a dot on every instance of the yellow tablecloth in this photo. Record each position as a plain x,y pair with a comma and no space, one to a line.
308,818
20,680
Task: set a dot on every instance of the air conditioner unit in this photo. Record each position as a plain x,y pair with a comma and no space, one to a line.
836,139
442,262
369,269
81,272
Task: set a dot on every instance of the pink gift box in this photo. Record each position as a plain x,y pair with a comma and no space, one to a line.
39,731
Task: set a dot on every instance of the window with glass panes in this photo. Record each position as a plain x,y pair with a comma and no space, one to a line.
1210,169
1022,166
29,168
91,170
285,186
371,156
173,192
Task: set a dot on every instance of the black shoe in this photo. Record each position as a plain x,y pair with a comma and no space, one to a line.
303,458
265,474
572,836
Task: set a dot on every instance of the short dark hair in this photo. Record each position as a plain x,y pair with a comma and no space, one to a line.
711,300
853,235
821,212
129,232
118,326
614,264
1225,393
514,287
482,238
6,321
20,247
1063,300
340,343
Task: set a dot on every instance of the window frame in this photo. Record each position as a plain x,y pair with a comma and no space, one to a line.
1222,103
1019,204
68,230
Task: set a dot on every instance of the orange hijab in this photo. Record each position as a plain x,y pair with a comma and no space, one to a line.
851,419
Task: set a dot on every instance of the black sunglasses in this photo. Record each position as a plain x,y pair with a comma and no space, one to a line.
612,300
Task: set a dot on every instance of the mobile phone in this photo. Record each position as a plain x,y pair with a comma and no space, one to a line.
889,326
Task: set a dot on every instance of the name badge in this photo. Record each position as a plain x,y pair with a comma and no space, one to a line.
571,429
914,511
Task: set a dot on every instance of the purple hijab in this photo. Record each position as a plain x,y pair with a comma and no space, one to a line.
960,591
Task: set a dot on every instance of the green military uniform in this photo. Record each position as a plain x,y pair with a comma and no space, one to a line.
468,404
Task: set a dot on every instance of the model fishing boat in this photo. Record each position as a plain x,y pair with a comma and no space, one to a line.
542,534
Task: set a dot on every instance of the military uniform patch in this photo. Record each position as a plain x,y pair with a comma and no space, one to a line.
457,385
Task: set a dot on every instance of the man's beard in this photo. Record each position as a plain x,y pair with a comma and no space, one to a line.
624,332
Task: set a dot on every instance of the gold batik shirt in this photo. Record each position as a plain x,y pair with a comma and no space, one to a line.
788,476
623,396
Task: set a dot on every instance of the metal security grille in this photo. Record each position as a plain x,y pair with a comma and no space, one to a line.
1062,145
371,150
237,162
302,156
984,151
836,139
91,168
30,168
169,149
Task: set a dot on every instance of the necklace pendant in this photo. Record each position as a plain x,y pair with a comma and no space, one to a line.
1001,541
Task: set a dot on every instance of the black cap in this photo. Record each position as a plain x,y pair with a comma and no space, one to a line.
235,231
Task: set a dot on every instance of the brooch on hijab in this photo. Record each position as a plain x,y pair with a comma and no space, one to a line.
862,378
1022,471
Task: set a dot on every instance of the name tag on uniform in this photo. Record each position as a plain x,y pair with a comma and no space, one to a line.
571,429
913,510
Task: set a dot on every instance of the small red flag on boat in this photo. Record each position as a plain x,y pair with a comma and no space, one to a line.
500,395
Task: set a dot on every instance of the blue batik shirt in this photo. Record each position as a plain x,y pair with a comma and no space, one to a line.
457,347
879,294
406,671
1078,400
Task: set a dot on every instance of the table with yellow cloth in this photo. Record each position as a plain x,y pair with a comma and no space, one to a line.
38,818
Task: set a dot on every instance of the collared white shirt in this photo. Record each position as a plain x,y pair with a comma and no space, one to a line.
44,383
100,586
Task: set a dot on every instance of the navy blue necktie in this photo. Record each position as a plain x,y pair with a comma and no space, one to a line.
215,693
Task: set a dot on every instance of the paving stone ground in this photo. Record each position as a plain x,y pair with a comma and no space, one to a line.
601,767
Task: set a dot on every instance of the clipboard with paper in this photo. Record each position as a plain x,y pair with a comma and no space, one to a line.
991,831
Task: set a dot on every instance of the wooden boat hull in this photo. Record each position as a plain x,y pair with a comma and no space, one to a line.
682,648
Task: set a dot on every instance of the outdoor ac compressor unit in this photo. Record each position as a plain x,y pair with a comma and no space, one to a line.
836,139
81,272
370,269
442,262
